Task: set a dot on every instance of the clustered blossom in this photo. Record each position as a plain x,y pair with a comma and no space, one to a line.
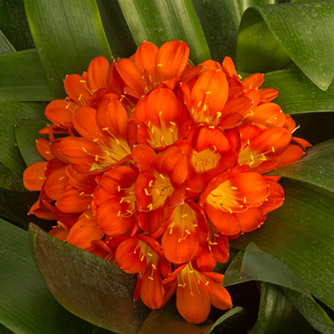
155,164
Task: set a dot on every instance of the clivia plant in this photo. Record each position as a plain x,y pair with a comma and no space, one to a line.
174,167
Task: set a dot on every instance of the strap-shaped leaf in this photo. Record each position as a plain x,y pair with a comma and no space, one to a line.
9,113
93,288
119,36
220,21
14,25
5,45
26,304
312,311
316,167
300,234
26,133
158,21
22,77
277,314
303,30
68,34
297,94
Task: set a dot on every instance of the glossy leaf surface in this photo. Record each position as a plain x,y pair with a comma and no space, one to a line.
316,167
298,30
68,34
22,77
158,21
297,94
277,314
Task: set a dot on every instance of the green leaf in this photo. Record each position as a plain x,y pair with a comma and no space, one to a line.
119,36
297,94
312,311
26,133
220,22
14,25
167,320
316,167
10,180
262,266
300,235
5,46
277,314
159,21
9,113
68,34
26,304
229,319
232,274
257,48
298,30
22,78
93,288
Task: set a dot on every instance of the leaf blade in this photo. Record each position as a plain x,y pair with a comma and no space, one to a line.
293,234
22,78
159,21
18,291
93,288
68,34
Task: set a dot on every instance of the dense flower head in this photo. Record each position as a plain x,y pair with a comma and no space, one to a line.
155,164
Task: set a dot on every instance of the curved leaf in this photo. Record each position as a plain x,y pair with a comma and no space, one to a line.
5,46
14,25
89,286
9,113
261,266
68,34
220,21
22,78
26,133
297,94
232,275
277,314
229,319
26,304
316,167
120,39
312,311
300,234
257,48
299,30
158,21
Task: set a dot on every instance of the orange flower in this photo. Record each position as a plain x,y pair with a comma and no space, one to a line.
232,201
196,291
143,255
155,165
162,119
151,67
104,140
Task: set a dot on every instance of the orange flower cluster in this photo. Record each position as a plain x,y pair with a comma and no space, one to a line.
154,164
